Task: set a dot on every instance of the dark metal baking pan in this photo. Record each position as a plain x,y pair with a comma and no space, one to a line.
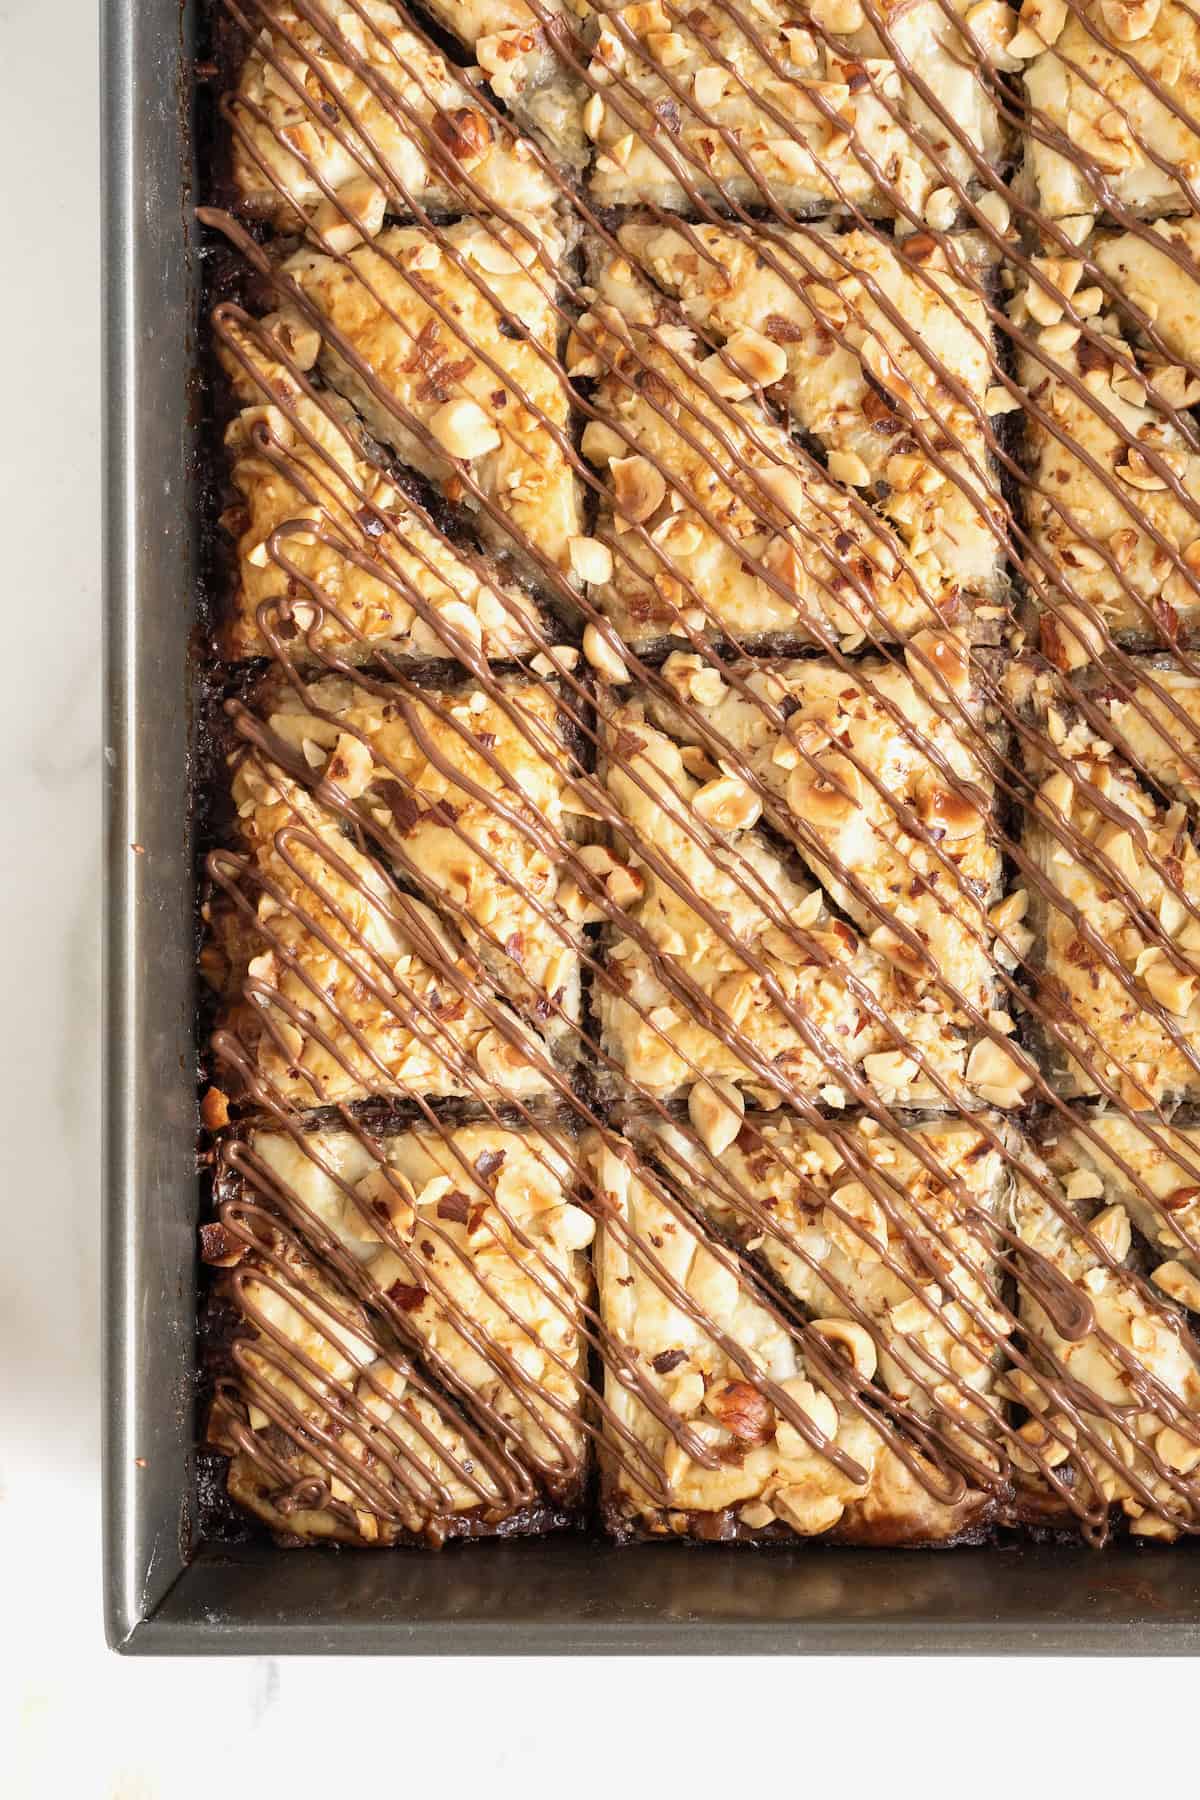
164,1593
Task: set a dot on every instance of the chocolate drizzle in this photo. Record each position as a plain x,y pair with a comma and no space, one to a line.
357,973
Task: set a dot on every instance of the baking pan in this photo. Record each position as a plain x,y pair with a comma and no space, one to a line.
166,1593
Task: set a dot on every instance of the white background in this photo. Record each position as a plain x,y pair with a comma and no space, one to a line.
79,1723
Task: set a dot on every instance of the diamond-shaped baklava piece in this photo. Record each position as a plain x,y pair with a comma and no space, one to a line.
799,112
713,519
466,1240
725,962
337,981
881,353
445,342
1113,500
341,559
1113,1390
330,1430
1114,83
1114,901
735,1422
340,119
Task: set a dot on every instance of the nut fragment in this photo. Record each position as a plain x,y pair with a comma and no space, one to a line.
1129,20
742,1410
889,1070
602,651
351,765
762,360
1177,1451
464,133
785,487
1045,1448
1069,638
728,804
950,672
214,1109
463,429
591,560
818,1409
941,209
863,1234
855,1345
1111,1228
1136,472
356,213
638,487
716,1109
756,362
299,341
460,618
994,207
840,16
1171,987
845,466
1177,1280
998,400
625,886
996,1075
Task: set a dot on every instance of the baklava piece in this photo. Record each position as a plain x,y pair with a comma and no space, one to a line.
528,54
726,967
889,1243
724,1422
883,357
331,1432
467,1242
1111,1384
1113,499
445,341
342,561
881,781
464,791
1148,707
1113,87
1114,905
713,520
339,122
1153,1171
336,982
803,113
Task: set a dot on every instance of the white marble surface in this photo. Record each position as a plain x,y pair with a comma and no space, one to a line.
77,1722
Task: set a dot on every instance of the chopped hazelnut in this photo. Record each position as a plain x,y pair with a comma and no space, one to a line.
742,1410
1177,1451
716,1109
1111,1228
845,466
728,804
852,1343
356,214
601,650
591,560
463,429
996,1075
638,487
1176,1280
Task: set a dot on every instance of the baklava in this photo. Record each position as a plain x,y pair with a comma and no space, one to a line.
702,901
